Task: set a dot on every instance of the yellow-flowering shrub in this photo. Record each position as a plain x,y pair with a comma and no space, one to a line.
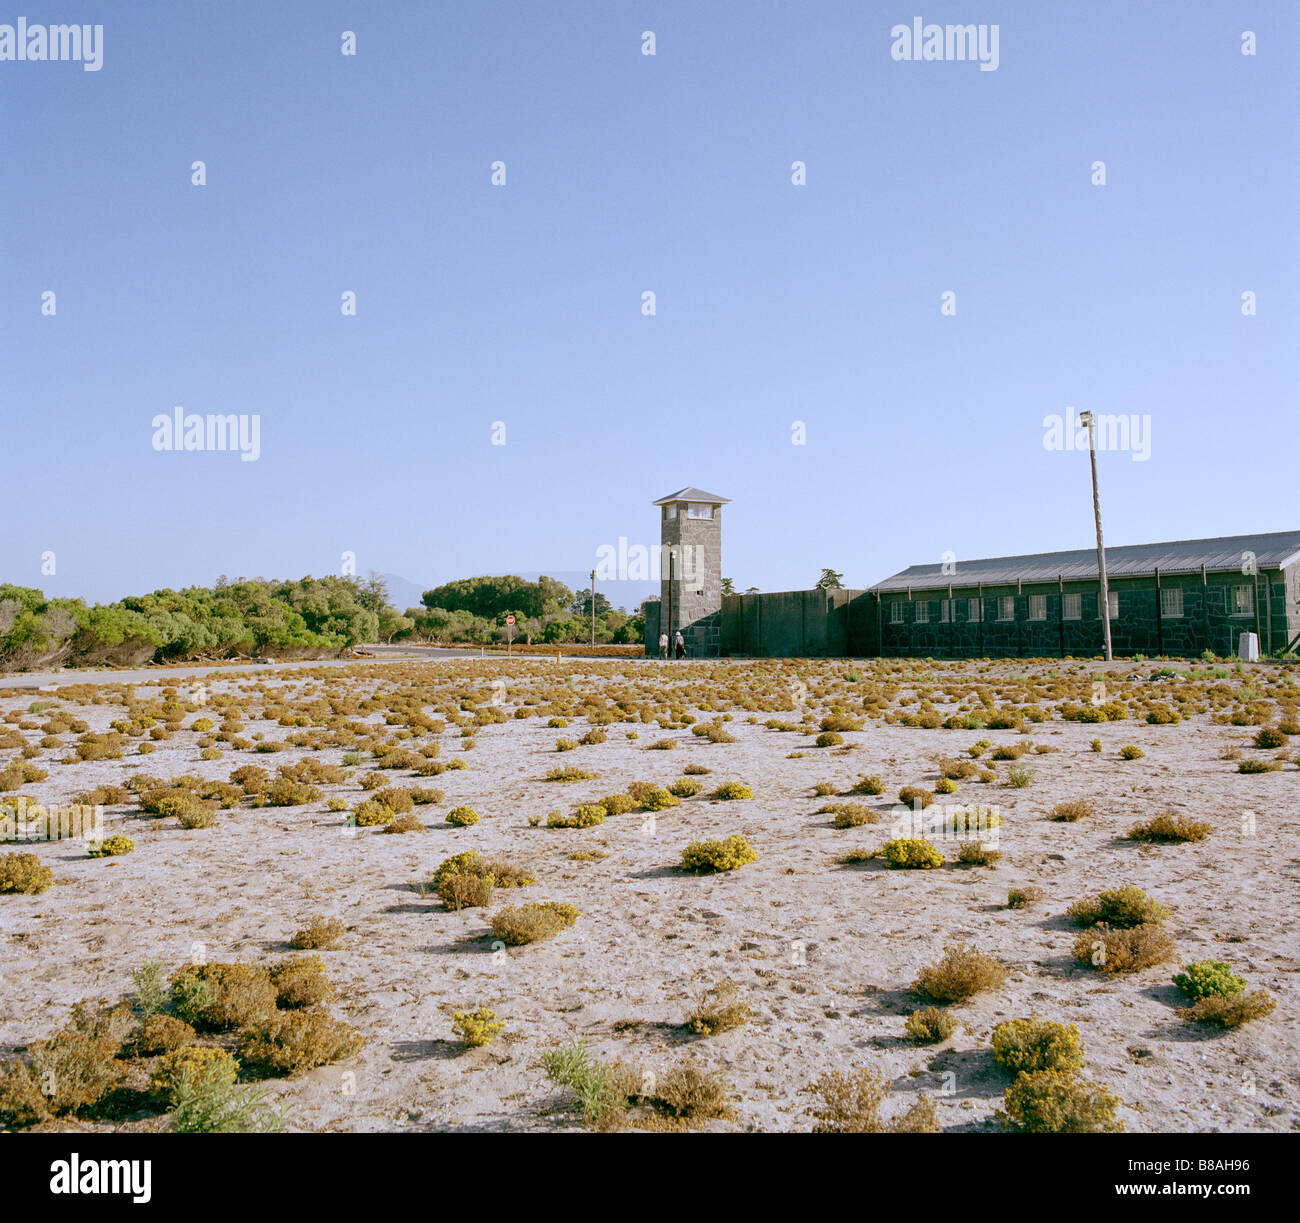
1027,1045
198,1065
476,1028
111,847
912,853
724,855
462,817
24,873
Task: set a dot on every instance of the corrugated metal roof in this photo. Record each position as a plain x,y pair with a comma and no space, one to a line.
693,494
1133,560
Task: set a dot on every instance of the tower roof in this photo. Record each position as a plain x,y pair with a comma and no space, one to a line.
697,495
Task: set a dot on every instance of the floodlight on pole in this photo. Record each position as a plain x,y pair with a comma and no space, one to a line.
1086,419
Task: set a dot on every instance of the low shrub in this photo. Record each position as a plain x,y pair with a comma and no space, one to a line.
851,1105
569,774
707,857
319,934
1119,908
618,804
371,814
685,787
1131,752
719,1009
960,974
1051,1102
1232,1010
1169,827
911,795
202,1065
24,873
301,982
975,853
912,853
657,799
160,1034
586,816
476,1028
217,997
731,790
930,1025
1129,949
850,815
529,923
1024,897
1072,811
1208,978
462,817
869,785
294,1041
1028,1045
111,847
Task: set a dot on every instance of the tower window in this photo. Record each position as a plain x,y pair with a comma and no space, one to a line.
696,510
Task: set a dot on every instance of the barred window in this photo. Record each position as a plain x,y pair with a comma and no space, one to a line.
1038,607
896,613
922,612
1006,607
1171,601
973,611
1073,609
945,610
1113,600
1242,602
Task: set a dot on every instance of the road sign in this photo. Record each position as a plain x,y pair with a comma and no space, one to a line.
510,619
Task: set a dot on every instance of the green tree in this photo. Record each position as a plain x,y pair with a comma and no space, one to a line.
830,580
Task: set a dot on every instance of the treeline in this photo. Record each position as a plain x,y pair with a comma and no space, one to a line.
308,617
231,619
474,611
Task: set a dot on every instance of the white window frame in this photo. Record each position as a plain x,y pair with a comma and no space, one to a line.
923,611
1113,600
670,511
974,612
1038,607
896,612
945,611
1072,607
1240,595
1171,602
1006,608
699,509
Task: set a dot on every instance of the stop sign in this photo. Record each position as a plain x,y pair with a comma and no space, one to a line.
510,619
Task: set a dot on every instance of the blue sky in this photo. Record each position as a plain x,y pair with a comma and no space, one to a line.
626,173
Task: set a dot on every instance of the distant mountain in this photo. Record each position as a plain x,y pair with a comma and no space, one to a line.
403,593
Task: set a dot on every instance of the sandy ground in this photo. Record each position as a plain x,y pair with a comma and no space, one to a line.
823,953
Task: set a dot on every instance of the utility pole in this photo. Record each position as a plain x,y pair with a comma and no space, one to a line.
1085,418
593,608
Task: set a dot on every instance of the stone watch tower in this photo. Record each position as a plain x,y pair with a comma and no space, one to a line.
690,569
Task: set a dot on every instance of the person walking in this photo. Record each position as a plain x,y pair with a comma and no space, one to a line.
663,645
679,646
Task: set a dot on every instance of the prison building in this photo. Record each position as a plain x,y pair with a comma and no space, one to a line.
1179,598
